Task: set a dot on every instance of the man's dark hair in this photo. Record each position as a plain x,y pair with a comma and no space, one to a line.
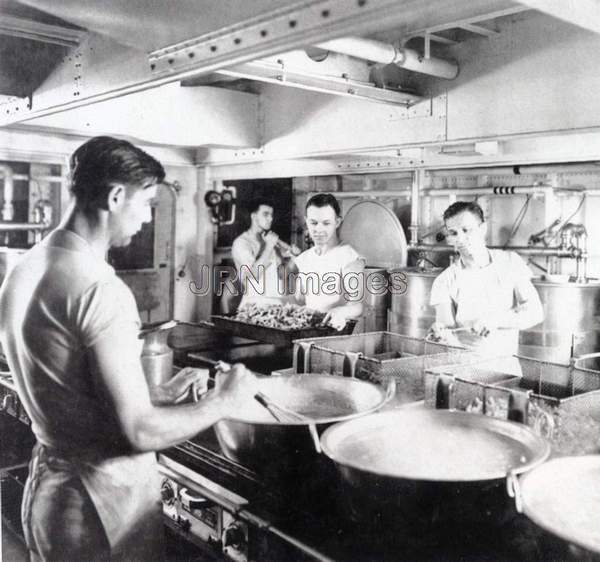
461,207
324,200
257,202
102,162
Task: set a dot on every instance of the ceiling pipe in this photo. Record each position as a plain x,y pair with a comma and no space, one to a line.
8,209
384,53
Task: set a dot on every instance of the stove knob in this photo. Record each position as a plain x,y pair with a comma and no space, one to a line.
234,536
167,493
183,523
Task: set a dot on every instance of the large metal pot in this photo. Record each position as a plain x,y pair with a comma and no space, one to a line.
431,470
562,498
256,440
572,318
375,301
410,313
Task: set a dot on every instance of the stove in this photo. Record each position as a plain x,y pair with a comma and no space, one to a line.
230,512
239,515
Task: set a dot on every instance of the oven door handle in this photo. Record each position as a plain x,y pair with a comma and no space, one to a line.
190,501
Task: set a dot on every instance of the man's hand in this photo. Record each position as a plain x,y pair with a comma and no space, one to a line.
481,328
271,238
442,334
178,388
337,317
292,252
237,387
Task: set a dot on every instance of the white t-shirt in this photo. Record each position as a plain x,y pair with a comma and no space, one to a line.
323,279
480,293
56,303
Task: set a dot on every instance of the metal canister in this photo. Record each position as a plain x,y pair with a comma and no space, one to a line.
375,301
157,356
410,313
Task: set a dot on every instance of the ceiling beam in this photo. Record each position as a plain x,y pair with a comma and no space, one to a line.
470,20
478,29
42,32
264,71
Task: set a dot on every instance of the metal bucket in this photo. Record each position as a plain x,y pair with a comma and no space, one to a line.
256,440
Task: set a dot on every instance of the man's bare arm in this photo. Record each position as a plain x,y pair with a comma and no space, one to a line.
149,427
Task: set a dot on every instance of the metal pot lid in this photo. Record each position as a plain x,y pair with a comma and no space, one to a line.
375,232
563,497
434,446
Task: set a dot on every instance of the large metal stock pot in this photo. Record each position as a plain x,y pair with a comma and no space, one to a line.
572,318
256,440
424,467
410,313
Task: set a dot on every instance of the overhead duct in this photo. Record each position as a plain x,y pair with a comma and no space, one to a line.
384,53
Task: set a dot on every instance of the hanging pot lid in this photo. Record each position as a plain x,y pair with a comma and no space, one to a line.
375,232
563,497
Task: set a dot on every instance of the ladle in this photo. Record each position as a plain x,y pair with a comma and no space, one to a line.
285,415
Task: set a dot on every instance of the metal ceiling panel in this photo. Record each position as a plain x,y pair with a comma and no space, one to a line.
152,24
583,13
114,60
25,64
169,115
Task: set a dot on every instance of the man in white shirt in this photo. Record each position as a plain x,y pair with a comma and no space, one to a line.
486,296
259,261
325,269
69,328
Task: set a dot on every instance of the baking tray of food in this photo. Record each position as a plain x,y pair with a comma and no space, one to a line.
278,333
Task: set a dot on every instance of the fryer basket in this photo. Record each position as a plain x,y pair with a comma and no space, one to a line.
377,356
560,402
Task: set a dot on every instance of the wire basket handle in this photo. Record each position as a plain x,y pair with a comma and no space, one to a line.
302,356
350,362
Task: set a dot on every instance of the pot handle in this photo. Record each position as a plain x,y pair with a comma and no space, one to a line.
443,391
390,390
349,365
312,429
513,489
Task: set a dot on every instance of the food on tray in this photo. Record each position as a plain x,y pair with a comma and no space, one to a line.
282,316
